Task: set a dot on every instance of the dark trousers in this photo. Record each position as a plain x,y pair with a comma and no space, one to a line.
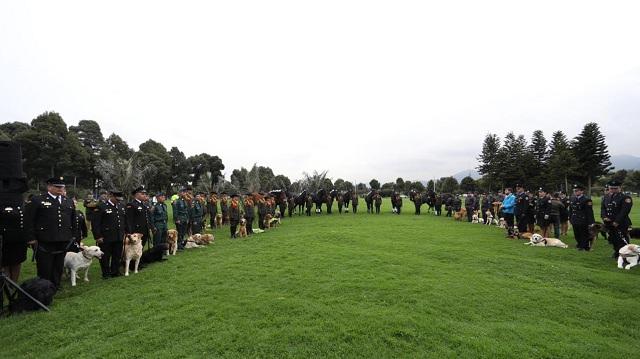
469,214
508,218
438,210
111,259
261,221
418,208
212,222
233,228
249,226
617,238
182,233
196,226
523,224
377,209
50,261
161,234
581,232
355,208
555,220
448,211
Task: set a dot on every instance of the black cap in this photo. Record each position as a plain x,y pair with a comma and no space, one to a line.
182,190
248,194
140,189
116,193
235,195
159,194
56,181
578,186
614,183
213,192
541,190
519,185
201,193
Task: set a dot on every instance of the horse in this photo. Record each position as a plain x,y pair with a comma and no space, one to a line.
368,199
319,198
300,201
329,199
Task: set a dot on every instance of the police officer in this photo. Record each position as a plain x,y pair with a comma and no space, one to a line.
262,211
522,208
417,202
614,211
470,204
543,211
109,228
212,207
14,238
224,208
159,218
581,217
196,213
234,214
249,212
564,213
137,212
51,219
181,217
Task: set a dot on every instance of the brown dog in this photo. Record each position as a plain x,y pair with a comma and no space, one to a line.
242,228
172,241
267,221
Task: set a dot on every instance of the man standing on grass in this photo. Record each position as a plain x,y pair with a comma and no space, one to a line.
50,226
109,226
138,214
181,217
160,216
581,217
508,207
614,211
522,208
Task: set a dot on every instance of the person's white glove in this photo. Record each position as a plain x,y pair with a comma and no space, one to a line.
546,216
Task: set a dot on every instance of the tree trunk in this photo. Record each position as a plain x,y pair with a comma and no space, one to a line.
566,184
589,185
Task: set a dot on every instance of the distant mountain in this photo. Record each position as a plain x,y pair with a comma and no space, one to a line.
626,162
462,174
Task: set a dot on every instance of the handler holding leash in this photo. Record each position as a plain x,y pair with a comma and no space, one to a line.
614,211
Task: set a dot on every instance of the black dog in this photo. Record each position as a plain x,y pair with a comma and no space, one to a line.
151,255
41,289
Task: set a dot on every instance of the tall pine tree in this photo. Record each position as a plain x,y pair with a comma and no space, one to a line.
489,161
591,153
561,163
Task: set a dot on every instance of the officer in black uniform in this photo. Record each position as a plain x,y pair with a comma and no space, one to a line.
614,211
543,211
212,208
51,221
14,238
522,208
581,217
249,212
137,213
81,230
470,204
109,227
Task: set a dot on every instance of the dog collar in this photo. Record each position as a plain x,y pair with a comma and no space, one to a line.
84,255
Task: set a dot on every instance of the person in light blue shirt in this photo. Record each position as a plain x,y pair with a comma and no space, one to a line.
508,207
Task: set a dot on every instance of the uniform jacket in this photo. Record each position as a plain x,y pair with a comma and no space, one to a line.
159,215
522,204
12,226
581,211
137,217
180,211
50,220
109,222
616,207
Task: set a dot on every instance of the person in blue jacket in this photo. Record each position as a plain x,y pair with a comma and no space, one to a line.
508,206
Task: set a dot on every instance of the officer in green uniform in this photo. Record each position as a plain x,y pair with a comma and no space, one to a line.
196,213
181,217
159,218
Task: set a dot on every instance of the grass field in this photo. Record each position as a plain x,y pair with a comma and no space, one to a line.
348,286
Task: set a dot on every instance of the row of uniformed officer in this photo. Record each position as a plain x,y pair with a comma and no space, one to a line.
109,227
138,214
614,212
581,217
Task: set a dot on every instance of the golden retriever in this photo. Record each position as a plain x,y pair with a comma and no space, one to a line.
172,241
132,251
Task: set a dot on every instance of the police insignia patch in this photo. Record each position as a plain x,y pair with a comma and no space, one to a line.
628,200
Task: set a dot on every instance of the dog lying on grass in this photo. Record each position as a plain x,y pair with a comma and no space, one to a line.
201,239
628,254
132,252
73,262
41,289
155,254
538,241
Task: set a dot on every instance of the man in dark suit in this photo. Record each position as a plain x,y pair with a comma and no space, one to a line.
614,212
109,225
138,214
51,222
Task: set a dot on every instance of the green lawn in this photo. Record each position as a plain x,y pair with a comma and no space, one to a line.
348,286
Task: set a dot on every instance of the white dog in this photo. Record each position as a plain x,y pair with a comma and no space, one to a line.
475,218
132,251
538,241
629,253
73,262
489,218
502,223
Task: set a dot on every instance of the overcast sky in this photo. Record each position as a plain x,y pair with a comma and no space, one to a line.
364,89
